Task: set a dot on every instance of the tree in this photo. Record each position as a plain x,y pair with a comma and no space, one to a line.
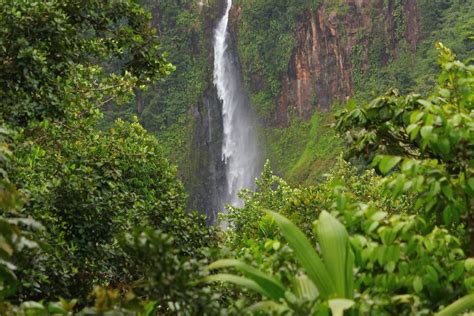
430,140
59,55
16,232
62,61
87,187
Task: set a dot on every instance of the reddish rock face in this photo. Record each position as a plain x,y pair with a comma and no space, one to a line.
320,69
413,30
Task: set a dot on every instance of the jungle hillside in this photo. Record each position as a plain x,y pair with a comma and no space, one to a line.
236,157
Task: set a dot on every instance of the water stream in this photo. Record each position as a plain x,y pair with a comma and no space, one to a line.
240,150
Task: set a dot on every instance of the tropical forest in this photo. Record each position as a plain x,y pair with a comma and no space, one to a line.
236,157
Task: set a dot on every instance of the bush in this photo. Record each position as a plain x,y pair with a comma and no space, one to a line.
86,187
426,144
60,55
401,263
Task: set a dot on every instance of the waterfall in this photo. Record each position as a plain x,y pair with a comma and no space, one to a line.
240,151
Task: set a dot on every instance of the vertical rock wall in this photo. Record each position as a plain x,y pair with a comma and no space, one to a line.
206,177
321,68
205,169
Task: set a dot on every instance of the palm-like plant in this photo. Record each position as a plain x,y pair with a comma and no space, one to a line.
458,307
329,276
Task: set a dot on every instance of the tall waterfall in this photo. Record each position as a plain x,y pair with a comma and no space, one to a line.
239,147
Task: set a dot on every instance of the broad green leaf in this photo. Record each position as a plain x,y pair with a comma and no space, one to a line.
270,284
426,131
471,183
68,305
388,163
445,93
338,306
413,130
335,248
444,146
149,308
416,116
30,305
469,265
382,254
469,284
351,105
435,188
425,103
306,255
458,271
304,288
392,253
461,305
5,246
418,284
447,191
55,308
373,226
447,215
378,216
387,235
349,286
390,266
432,274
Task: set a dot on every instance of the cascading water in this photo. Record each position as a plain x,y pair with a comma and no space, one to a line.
239,146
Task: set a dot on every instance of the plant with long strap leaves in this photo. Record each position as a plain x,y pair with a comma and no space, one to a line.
458,307
329,277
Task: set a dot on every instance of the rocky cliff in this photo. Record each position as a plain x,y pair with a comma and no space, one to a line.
206,170
336,44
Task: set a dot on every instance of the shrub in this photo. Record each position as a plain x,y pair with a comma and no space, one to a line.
86,187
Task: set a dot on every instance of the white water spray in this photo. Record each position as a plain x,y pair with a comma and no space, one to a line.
239,148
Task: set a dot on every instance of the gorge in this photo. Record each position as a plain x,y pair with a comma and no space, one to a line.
290,70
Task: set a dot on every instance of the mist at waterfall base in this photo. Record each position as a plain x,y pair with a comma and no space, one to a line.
240,150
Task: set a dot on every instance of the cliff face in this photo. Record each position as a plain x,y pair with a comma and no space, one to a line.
322,66
335,46
206,173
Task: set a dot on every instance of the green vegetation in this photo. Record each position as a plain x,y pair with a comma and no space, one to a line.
265,45
50,52
164,109
305,150
432,138
449,22
407,227
93,220
81,207
380,60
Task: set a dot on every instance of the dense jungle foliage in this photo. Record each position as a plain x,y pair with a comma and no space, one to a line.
93,217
